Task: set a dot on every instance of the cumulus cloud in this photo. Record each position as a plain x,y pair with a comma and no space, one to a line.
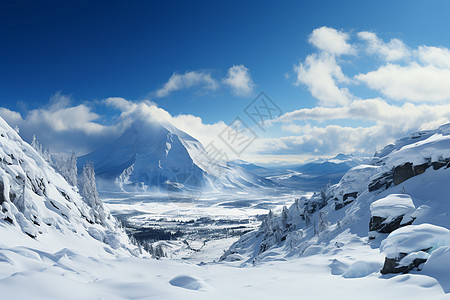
418,77
189,79
61,126
376,110
413,82
321,73
331,40
239,80
147,111
434,56
395,49
331,139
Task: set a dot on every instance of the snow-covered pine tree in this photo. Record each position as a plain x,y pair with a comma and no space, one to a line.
88,190
36,145
71,170
323,223
44,153
285,218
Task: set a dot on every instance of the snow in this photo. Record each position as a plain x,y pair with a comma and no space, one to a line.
189,282
438,266
313,251
392,206
413,238
68,275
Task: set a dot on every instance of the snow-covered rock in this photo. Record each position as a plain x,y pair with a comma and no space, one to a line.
438,266
390,213
408,247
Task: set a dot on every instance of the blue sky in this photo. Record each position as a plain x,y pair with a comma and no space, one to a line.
80,53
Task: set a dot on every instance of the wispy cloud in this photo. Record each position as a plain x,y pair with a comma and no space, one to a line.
201,79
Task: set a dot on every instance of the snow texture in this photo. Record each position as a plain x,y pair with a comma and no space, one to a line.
392,206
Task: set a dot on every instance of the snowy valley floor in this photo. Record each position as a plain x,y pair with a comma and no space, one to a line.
29,274
348,268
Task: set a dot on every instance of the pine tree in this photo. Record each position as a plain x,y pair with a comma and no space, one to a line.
284,218
323,223
71,170
88,190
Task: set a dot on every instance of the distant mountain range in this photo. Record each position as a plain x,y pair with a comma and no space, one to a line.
309,176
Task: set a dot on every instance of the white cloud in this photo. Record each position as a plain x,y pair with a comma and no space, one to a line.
331,139
375,110
331,40
435,56
60,126
149,112
189,79
392,51
239,80
412,82
321,73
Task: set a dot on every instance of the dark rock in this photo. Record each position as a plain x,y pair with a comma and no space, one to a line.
2,196
438,164
403,172
346,200
421,168
354,195
391,265
379,224
382,182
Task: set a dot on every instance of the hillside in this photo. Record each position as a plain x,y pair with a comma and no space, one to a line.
365,208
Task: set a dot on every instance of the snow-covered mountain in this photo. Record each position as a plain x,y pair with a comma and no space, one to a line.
154,155
41,210
398,201
316,174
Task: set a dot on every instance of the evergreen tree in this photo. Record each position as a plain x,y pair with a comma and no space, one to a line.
285,218
323,223
88,190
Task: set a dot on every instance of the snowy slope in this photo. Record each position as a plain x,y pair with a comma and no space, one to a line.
417,165
39,209
153,155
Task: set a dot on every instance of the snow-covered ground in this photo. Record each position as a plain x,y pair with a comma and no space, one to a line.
29,274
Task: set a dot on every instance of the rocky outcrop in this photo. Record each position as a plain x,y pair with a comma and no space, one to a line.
380,225
391,213
394,265
409,247
346,200
381,182
403,172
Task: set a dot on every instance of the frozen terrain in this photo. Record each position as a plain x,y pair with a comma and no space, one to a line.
54,246
185,226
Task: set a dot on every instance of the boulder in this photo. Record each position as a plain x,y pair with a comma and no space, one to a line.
409,247
391,213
